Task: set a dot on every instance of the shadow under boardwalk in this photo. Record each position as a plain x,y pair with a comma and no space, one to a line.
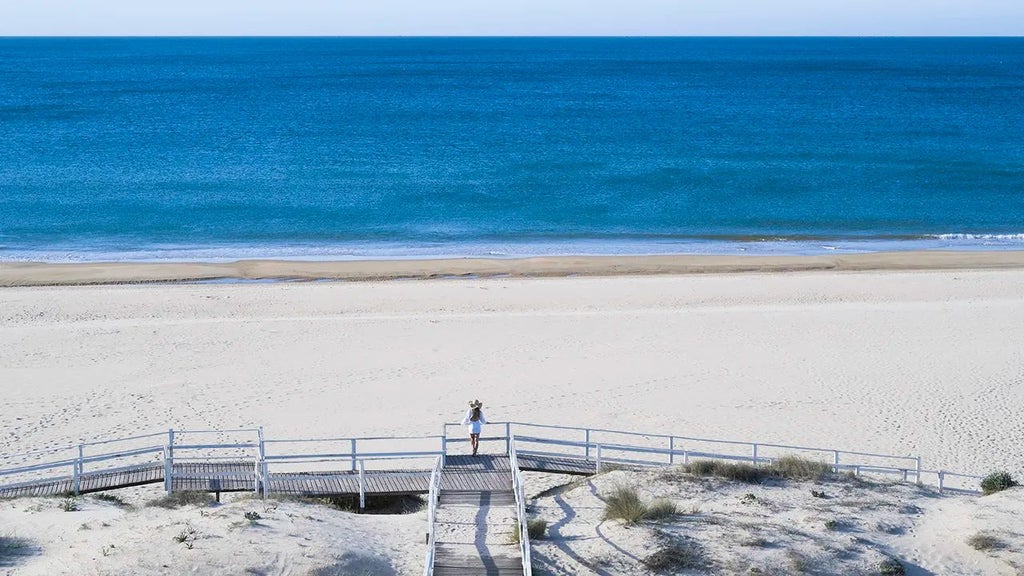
476,517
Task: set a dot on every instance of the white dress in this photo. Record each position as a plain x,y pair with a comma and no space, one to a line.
474,425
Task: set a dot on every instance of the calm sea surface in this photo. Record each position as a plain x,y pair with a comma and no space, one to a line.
133,149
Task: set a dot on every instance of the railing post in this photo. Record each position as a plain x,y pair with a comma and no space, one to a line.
167,469
918,470
352,448
77,474
754,460
586,440
261,464
686,456
671,450
597,468
942,479
444,440
835,461
362,485
508,437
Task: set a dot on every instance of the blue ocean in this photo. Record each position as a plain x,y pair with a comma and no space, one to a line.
349,148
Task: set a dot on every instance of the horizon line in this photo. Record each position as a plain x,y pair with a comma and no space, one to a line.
512,36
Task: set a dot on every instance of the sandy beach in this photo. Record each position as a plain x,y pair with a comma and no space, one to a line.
905,362
916,363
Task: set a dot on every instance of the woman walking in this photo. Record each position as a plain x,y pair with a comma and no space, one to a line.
475,420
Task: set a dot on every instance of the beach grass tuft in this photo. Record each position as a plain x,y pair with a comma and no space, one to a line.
997,482
624,504
796,468
536,528
661,509
786,468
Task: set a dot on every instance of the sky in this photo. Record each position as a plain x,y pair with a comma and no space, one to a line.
512,17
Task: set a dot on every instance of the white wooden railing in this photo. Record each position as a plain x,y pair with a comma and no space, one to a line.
520,495
432,498
589,444
605,446
246,445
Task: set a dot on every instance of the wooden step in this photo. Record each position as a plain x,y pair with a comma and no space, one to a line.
476,499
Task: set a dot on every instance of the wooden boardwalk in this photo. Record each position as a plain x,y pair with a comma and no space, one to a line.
483,474
347,483
229,477
476,516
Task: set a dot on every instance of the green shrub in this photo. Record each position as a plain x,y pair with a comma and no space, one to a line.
997,482
69,504
625,504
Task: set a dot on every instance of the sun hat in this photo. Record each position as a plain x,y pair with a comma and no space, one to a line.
475,404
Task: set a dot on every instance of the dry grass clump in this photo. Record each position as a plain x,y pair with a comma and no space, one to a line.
796,468
184,498
982,541
660,509
625,504
740,472
787,467
536,527
677,555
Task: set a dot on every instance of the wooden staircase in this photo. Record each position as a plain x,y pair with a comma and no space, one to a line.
476,517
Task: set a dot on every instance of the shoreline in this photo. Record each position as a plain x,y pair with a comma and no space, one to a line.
14,274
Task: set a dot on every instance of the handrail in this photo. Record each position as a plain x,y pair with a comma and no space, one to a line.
671,447
517,489
359,455
349,438
687,438
432,497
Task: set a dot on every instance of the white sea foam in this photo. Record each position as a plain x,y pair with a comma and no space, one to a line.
965,236
105,252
